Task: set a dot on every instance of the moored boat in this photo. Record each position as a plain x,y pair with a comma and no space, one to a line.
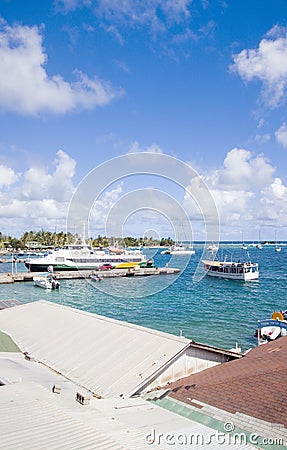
96,277
213,247
82,257
243,271
179,249
271,329
47,281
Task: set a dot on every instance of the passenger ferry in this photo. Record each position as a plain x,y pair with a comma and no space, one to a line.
243,271
82,257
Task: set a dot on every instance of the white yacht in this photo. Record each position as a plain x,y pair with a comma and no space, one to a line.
244,271
179,249
47,281
82,257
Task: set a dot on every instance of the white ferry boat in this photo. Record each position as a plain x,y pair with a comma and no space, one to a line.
82,257
243,271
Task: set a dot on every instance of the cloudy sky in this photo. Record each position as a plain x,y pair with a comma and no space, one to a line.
86,81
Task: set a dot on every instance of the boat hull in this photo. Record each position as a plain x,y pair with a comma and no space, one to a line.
46,283
182,252
271,329
235,276
246,271
59,267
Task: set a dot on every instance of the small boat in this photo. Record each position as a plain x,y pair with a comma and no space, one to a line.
181,250
165,252
116,250
259,245
277,247
178,249
96,277
47,281
243,245
213,247
243,271
271,329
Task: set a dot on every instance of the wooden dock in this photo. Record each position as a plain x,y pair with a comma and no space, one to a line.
6,278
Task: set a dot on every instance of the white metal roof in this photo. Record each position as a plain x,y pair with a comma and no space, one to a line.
29,420
106,356
33,418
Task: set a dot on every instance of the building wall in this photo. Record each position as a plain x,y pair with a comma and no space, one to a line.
192,360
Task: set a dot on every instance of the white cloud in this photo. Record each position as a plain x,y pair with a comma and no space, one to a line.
246,192
281,135
136,148
157,14
7,176
103,206
273,203
71,5
133,8
29,90
276,191
268,63
39,184
241,170
38,196
262,138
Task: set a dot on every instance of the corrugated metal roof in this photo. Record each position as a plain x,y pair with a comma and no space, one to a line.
32,418
8,303
106,356
29,421
167,429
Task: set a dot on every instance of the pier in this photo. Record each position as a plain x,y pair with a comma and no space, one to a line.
6,278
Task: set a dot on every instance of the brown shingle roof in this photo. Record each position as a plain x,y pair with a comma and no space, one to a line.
254,385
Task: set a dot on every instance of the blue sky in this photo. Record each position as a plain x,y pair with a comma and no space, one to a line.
84,81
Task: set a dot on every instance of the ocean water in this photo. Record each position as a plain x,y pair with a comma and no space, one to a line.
212,311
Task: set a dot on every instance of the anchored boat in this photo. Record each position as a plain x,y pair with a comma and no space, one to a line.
179,249
243,271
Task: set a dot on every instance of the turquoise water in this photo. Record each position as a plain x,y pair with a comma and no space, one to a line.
213,311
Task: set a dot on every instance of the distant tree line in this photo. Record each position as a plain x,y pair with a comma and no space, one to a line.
41,239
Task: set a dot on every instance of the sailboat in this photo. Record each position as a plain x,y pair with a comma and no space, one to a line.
213,247
243,246
277,247
259,245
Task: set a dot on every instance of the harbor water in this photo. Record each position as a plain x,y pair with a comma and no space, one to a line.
212,311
